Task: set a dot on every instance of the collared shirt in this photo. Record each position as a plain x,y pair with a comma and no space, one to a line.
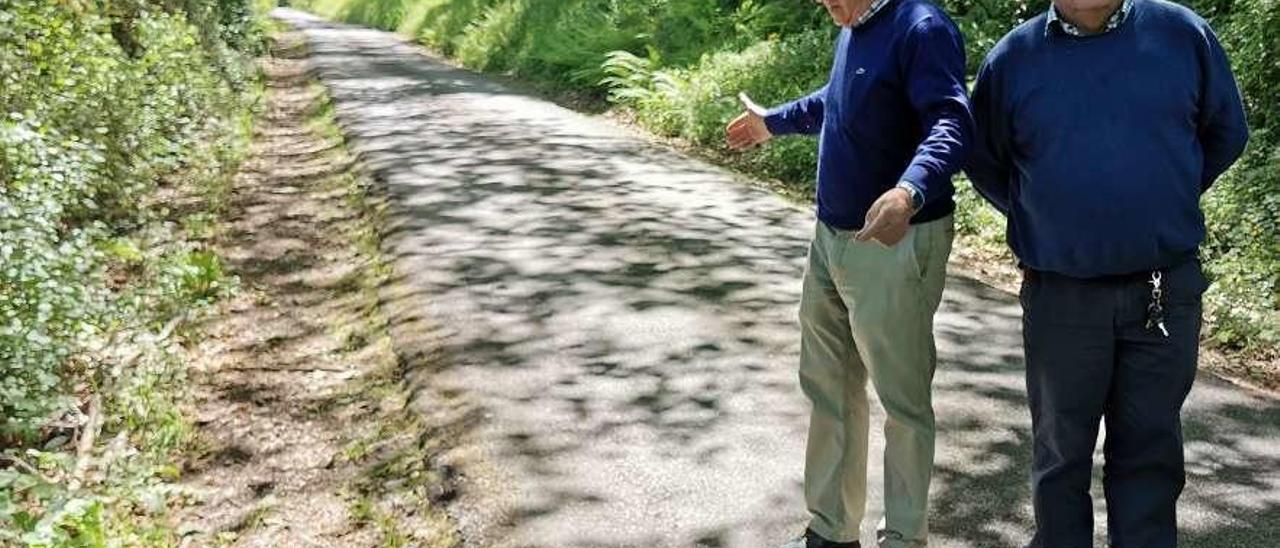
1112,22
875,8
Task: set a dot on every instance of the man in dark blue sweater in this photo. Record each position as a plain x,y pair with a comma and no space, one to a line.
893,121
1100,124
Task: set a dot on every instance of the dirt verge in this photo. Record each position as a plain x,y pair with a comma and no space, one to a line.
305,435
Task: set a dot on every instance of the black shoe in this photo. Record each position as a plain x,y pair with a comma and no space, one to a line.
811,539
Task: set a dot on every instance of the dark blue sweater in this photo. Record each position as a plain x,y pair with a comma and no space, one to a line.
1098,148
895,110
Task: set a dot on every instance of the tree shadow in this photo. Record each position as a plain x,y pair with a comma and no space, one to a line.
617,325
981,492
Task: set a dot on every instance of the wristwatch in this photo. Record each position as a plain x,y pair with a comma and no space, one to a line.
917,197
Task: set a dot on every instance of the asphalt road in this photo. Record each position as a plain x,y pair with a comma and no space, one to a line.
605,332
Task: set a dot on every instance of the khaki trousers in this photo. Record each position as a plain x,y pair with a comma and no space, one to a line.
867,312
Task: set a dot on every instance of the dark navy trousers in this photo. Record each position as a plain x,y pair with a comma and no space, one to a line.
1091,358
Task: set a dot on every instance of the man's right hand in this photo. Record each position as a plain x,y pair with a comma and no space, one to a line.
748,129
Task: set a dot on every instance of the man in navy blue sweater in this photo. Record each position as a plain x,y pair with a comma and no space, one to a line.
1100,124
894,122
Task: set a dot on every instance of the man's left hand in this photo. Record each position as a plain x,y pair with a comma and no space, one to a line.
888,219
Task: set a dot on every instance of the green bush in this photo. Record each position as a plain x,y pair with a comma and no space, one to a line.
1243,210
87,134
101,106
52,293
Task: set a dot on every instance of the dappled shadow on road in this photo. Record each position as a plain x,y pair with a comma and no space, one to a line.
622,303
620,323
1233,469
981,493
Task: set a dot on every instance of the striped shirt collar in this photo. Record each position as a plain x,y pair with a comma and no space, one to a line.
1112,22
876,6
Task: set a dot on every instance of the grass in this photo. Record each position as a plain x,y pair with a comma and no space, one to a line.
392,491
257,517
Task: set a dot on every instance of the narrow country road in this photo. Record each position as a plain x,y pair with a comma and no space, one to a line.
609,332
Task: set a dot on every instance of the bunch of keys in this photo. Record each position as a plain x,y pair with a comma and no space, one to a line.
1155,310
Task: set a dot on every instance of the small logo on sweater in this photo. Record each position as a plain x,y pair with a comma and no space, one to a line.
860,71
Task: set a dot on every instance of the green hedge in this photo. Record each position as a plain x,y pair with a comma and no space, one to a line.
1243,211
102,105
87,133
677,64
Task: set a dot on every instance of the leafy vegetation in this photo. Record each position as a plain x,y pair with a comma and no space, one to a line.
118,124
120,119
677,65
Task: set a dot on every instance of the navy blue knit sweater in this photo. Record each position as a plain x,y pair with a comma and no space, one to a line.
895,110
1099,147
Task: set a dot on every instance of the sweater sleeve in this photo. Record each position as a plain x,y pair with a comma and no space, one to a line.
989,163
802,116
1222,128
934,65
